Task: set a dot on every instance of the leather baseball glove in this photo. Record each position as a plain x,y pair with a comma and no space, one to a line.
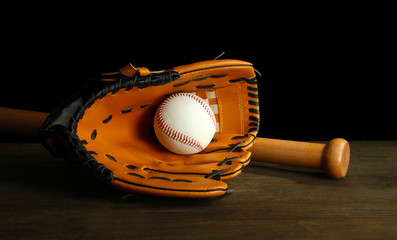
107,127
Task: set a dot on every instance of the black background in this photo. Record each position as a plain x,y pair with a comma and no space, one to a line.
325,73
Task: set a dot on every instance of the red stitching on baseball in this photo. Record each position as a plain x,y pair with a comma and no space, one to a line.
171,133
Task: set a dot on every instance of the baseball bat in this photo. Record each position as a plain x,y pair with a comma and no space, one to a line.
332,157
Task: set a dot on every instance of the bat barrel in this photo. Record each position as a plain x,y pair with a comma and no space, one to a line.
332,157
21,122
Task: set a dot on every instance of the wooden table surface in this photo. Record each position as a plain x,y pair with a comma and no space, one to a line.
43,197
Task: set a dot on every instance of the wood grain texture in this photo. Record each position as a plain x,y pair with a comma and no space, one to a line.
42,197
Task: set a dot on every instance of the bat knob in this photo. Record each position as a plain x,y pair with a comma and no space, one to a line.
336,157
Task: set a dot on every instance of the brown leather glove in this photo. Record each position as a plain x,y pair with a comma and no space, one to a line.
108,128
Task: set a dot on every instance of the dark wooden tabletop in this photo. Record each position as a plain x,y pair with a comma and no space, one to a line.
43,197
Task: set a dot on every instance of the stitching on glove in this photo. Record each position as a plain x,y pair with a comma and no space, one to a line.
235,147
255,120
228,160
238,170
170,189
175,180
226,66
94,134
216,174
205,86
106,120
111,157
200,79
127,110
145,105
136,175
131,167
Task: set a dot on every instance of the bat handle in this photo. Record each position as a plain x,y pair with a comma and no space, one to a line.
332,157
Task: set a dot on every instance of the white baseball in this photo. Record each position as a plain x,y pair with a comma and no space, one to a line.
184,124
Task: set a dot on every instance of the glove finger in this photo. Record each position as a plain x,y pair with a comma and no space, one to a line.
169,185
204,164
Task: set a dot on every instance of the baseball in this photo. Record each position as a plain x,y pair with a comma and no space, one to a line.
184,123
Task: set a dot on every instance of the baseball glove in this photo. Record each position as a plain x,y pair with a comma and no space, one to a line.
107,127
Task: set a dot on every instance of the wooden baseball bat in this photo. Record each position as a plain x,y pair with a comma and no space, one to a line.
332,157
